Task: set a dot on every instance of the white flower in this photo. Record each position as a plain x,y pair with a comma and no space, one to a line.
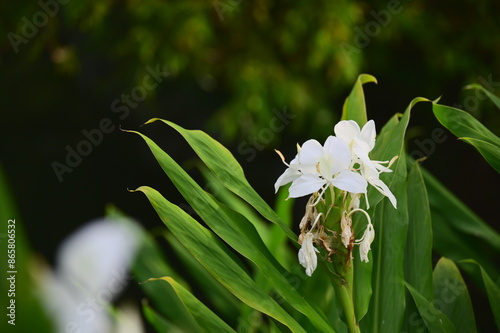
307,254
361,143
365,242
348,131
317,166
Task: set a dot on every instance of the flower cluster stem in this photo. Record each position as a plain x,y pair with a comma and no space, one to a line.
343,288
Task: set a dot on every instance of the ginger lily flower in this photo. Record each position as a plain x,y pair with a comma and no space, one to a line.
361,142
348,131
316,167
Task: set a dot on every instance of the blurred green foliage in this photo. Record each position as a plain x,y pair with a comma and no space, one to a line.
256,55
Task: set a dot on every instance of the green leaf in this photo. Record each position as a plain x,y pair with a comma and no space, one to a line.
158,322
150,263
223,301
458,233
462,124
390,143
236,203
354,105
491,96
278,242
492,290
203,315
229,172
490,152
216,258
238,232
387,307
450,293
390,224
466,127
434,319
418,252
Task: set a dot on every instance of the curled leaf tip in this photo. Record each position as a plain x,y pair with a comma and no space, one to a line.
152,120
134,190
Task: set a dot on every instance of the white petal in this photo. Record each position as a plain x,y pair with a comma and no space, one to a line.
384,189
310,153
288,176
337,155
350,181
306,184
368,134
346,130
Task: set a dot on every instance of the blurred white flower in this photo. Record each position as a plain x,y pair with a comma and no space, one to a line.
91,270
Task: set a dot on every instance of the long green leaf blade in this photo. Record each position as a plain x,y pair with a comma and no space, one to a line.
215,257
462,124
465,126
434,319
450,292
495,99
490,152
387,307
150,263
390,143
227,169
224,303
418,252
158,322
492,290
354,106
390,232
203,315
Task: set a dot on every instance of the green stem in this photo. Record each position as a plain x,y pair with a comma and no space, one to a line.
346,300
343,288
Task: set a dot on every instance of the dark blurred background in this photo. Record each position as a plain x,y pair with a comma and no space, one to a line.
256,75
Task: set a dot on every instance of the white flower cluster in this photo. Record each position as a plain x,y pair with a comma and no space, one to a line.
343,162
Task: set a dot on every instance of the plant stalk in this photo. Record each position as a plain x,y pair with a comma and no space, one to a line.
343,288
